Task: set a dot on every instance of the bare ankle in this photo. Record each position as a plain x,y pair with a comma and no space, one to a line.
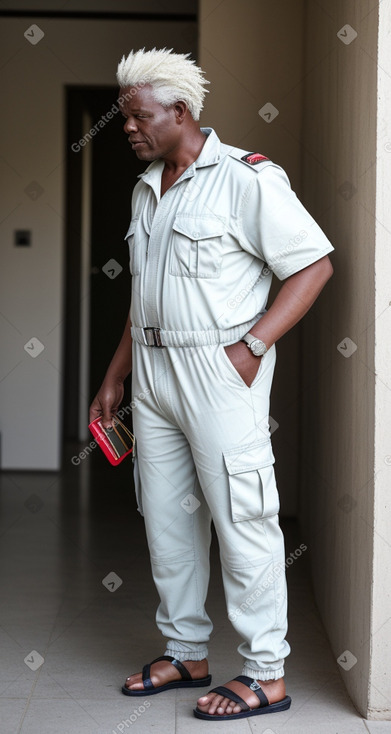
196,665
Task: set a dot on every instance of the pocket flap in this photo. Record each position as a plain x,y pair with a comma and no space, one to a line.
249,457
199,228
132,227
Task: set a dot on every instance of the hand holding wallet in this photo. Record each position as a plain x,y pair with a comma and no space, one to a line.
115,441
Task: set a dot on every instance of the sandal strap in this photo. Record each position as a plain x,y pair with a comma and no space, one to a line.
178,665
227,693
148,685
254,686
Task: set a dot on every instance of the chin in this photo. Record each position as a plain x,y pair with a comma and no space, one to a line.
145,156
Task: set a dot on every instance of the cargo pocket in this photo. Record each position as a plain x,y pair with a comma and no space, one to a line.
196,247
136,479
134,250
252,484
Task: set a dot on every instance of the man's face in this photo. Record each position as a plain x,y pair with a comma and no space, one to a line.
152,129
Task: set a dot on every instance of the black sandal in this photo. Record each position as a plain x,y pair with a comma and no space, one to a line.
186,682
265,706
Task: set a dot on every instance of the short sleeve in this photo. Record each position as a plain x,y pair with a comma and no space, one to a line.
277,228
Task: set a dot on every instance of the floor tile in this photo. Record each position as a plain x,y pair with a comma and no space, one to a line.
60,536
378,727
100,717
11,714
258,726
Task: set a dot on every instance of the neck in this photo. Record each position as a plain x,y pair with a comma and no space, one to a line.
186,152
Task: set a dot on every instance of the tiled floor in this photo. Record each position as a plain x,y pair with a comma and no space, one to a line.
60,536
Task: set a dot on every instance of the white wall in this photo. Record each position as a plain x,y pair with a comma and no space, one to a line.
32,149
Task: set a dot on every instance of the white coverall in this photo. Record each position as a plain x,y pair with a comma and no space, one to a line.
202,259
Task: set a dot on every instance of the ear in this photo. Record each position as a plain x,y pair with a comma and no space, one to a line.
180,110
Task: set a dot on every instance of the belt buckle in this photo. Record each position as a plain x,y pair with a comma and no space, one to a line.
152,336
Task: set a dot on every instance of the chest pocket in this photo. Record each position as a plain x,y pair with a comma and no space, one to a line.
196,247
134,250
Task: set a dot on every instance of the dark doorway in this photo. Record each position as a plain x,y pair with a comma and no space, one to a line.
101,173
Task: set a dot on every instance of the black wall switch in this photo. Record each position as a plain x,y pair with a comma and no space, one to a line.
22,237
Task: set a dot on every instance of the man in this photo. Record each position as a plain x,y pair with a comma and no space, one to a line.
210,224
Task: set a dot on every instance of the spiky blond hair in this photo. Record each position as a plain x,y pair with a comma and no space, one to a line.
173,77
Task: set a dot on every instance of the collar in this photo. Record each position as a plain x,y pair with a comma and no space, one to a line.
210,154
211,150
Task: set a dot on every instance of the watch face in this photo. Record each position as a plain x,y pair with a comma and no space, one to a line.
257,348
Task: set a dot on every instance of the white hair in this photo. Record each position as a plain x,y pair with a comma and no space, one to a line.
173,77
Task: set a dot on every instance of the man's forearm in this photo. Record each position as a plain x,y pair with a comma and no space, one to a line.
121,364
293,300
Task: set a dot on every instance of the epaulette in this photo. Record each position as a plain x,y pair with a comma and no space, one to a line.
250,159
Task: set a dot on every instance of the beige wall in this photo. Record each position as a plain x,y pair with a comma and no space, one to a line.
252,53
380,664
333,137
347,397
32,149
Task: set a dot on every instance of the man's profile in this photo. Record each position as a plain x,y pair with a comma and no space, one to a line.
210,225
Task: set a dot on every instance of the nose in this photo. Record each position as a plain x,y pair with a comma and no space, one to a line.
130,125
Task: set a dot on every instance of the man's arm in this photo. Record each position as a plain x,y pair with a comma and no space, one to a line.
111,392
292,302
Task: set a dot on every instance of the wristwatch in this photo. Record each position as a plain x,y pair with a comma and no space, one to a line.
257,346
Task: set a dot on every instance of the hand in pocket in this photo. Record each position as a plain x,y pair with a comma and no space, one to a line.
245,363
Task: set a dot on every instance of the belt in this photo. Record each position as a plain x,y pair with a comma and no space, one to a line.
152,336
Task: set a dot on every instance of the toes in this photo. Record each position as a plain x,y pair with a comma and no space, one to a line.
134,682
214,704
219,706
134,685
210,703
233,708
205,699
222,707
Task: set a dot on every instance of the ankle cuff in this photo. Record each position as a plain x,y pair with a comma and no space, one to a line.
183,652
263,674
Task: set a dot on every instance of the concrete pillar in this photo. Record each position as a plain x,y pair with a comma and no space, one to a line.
326,67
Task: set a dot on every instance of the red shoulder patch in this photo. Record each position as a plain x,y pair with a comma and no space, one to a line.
254,158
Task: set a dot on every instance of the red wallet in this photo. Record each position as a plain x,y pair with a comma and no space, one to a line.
116,442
